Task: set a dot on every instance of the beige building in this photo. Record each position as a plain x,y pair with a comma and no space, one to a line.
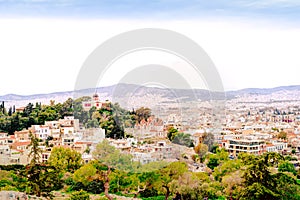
236,146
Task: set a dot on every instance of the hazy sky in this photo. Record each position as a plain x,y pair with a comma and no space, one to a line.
43,43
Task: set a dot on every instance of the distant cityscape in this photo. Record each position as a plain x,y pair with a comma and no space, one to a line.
254,123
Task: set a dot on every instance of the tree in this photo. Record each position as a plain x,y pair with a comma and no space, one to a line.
201,149
27,110
103,151
92,123
143,114
287,167
226,168
88,177
35,151
111,157
67,108
213,162
261,183
111,126
183,139
2,108
209,139
185,187
79,112
134,183
85,174
172,132
145,182
168,174
218,158
41,178
286,186
233,184
10,111
282,135
65,159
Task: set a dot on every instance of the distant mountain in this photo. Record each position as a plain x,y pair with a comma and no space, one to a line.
119,90
141,95
264,91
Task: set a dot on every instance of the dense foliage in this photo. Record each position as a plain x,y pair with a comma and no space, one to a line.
267,176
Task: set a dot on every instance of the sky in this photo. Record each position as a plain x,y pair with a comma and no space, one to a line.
44,43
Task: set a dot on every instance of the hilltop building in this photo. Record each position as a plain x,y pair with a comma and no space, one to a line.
94,102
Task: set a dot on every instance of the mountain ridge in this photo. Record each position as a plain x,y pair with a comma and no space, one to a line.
239,91
131,94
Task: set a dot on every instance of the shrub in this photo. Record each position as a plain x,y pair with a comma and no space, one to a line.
102,198
80,195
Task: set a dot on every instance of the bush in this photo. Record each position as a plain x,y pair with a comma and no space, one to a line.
77,186
8,188
102,198
149,193
4,183
213,163
69,181
95,187
80,195
287,167
12,167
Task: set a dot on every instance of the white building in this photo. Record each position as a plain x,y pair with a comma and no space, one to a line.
276,146
41,131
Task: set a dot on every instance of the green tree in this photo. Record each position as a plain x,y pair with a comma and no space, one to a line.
172,132
85,174
261,183
79,112
226,168
41,178
80,195
112,124
183,139
287,167
35,151
218,158
65,159
167,175
92,123
111,157
67,108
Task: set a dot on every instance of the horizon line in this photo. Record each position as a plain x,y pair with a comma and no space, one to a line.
66,91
